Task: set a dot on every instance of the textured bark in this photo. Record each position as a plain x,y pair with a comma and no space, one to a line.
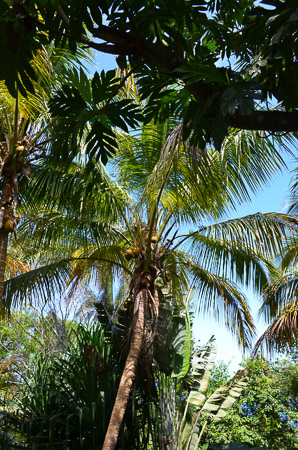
3,254
5,201
129,372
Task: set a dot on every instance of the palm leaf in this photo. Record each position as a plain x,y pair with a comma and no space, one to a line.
38,285
282,333
224,300
229,258
293,200
290,252
282,288
261,232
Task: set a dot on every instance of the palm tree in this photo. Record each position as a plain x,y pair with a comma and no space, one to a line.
25,135
126,221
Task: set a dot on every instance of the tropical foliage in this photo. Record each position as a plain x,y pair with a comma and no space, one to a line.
121,229
121,223
65,398
183,55
280,297
266,415
24,334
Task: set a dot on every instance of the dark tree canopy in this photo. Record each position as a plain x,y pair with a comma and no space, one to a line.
217,64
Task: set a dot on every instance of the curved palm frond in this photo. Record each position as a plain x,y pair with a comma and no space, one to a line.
94,265
281,289
37,285
204,184
224,301
230,259
262,232
282,333
139,153
293,200
290,252
249,159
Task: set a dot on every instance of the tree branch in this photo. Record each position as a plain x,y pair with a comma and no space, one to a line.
275,121
157,54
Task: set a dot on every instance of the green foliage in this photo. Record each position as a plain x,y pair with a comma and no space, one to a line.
64,400
185,405
175,52
23,335
219,376
90,110
266,415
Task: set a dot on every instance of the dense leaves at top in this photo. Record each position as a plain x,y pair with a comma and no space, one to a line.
214,63
89,111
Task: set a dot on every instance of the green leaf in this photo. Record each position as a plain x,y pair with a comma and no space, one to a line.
182,345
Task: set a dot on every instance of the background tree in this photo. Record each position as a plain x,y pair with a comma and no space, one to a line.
25,335
266,414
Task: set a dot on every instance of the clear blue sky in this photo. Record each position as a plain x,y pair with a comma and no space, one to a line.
271,199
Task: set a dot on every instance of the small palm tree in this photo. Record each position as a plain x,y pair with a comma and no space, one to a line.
125,221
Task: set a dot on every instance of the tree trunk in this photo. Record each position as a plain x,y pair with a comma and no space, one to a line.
129,372
3,254
5,202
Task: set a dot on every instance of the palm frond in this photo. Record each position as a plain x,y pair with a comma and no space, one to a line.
290,252
37,285
281,289
224,301
93,265
282,333
249,159
262,232
229,258
293,200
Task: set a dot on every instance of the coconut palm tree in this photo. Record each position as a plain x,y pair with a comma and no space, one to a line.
129,221
25,135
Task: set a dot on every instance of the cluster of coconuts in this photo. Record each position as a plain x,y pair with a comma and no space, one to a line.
22,145
134,252
9,220
128,302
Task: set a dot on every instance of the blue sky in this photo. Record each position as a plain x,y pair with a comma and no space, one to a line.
272,198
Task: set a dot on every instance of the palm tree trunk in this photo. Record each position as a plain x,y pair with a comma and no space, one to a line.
5,201
129,372
3,255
